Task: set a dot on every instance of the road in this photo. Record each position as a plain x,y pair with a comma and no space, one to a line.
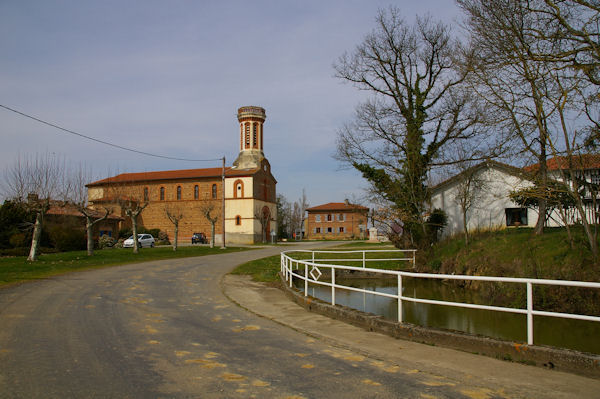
165,330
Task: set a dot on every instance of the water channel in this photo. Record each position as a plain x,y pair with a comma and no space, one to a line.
564,333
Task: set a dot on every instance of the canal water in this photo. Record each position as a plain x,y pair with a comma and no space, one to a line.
564,333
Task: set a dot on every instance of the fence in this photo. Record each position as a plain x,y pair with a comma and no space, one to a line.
289,265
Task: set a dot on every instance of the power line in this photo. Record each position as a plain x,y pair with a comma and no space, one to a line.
104,142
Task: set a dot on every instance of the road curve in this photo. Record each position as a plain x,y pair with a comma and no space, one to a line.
164,329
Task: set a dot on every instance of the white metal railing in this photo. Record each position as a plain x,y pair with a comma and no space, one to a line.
289,264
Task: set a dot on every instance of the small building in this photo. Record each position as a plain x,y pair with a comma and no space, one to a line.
67,215
248,187
488,185
337,221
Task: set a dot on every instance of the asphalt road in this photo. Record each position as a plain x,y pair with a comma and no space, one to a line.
165,330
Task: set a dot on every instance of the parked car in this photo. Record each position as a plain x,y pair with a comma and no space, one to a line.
144,240
199,238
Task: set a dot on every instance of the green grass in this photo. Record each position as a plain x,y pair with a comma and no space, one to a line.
18,269
266,269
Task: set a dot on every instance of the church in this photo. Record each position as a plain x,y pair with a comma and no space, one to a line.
246,190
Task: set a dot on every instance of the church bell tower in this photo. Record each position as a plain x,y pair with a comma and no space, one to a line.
251,121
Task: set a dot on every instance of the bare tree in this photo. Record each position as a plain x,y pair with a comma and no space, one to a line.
78,196
469,191
264,217
35,181
174,214
132,200
211,213
419,109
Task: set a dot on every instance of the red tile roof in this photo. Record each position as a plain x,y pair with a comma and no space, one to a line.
337,206
173,175
70,210
584,161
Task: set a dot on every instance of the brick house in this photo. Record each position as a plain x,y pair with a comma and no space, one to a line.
336,221
250,196
66,214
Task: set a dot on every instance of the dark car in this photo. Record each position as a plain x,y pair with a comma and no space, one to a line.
199,238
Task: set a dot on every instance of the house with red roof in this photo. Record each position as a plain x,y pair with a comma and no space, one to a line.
248,188
336,221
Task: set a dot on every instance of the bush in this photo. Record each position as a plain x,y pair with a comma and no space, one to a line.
125,232
67,239
18,240
106,241
163,236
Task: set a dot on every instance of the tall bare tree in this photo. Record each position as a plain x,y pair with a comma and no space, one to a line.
469,191
174,214
35,181
419,109
132,200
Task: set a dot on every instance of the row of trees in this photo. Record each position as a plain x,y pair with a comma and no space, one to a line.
38,182
520,80
291,216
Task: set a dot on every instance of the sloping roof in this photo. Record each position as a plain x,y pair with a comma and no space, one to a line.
173,175
583,161
337,206
512,170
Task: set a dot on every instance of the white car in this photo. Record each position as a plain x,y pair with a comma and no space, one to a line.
144,240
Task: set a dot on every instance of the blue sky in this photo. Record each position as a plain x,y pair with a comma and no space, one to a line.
167,77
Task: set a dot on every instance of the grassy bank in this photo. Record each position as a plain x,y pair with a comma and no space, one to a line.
18,269
266,269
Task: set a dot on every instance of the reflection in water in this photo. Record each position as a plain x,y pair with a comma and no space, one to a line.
565,333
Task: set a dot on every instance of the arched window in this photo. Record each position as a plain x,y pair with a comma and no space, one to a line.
254,134
162,193
178,193
247,134
238,220
146,194
196,192
214,191
238,189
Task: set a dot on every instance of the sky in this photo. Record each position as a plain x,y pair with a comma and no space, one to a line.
167,78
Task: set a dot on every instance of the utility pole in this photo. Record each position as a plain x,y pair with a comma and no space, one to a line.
223,201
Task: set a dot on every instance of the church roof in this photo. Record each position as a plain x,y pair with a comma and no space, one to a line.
337,206
173,175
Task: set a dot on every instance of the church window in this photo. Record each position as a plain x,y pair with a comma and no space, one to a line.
196,192
178,193
238,220
238,189
145,193
254,134
162,193
214,191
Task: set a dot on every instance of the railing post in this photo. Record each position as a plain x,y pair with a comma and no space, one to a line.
291,275
414,258
333,286
364,258
529,313
313,257
305,279
399,298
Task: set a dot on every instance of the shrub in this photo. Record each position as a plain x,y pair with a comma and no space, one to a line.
67,239
18,240
106,241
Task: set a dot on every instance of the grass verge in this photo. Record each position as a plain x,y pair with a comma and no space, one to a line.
18,269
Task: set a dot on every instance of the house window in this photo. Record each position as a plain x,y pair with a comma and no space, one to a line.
341,229
329,229
178,193
516,216
238,220
318,230
214,191
317,218
329,218
162,193
196,192
145,193
341,217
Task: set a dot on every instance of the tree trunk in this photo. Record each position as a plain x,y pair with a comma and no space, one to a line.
90,240
37,233
212,234
465,227
176,234
134,232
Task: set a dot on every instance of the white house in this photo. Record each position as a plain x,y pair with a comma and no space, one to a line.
483,190
486,186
